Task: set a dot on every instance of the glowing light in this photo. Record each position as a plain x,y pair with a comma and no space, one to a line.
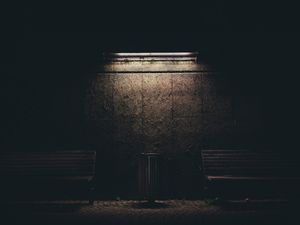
156,54
151,56
126,62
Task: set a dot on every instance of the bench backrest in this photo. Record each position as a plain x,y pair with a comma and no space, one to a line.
48,164
247,163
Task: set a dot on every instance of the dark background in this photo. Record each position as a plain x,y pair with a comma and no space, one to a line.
46,50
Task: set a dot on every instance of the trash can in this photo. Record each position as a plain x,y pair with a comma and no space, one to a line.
149,176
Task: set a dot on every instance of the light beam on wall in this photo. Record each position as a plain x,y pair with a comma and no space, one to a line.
148,99
151,56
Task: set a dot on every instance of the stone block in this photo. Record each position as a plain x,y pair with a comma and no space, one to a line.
187,100
99,103
128,138
157,85
186,84
158,135
187,134
127,95
157,107
128,130
187,106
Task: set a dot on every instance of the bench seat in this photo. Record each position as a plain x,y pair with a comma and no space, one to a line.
47,172
244,172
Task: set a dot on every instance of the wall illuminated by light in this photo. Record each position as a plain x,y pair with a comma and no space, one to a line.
158,102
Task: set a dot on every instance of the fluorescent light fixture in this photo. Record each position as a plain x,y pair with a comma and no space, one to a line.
157,54
151,56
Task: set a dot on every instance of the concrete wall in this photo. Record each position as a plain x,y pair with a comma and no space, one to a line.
162,108
165,112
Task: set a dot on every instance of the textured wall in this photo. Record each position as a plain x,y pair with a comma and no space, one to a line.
165,112
166,107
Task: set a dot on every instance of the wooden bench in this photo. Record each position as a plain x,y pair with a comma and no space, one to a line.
249,173
50,173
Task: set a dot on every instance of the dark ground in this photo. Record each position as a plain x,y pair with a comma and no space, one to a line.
135,212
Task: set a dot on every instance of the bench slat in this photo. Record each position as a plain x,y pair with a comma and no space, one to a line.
244,163
57,163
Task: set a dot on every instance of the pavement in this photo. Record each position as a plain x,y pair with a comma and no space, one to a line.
140,212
